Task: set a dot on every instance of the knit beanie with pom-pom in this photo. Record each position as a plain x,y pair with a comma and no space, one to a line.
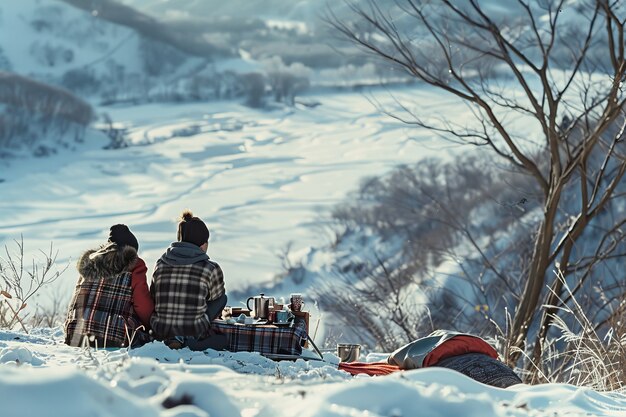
192,229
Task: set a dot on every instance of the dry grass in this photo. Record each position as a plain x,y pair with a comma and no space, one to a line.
589,359
578,351
20,282
586,354
53,311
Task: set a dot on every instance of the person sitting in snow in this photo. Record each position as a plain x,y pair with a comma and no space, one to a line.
188,290
112,305
461,352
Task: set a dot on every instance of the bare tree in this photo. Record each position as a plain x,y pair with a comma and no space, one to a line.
565,65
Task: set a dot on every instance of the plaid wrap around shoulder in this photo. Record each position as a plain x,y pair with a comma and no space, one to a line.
102,309
180,296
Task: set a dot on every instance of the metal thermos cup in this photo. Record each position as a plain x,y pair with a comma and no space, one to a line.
348,352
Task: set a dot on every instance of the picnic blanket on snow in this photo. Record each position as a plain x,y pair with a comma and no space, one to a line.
265,339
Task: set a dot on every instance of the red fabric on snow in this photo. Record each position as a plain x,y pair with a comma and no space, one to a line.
369,368
459,345
142,300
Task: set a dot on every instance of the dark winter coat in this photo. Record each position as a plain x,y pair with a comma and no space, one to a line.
107,295
184,280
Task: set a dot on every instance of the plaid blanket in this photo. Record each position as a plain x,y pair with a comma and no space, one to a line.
265,339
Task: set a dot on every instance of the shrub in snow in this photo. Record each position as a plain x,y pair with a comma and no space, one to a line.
254,87
286,81
81,81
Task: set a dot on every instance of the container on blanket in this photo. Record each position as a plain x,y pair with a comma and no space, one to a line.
261,305
348,352
295,302
236,311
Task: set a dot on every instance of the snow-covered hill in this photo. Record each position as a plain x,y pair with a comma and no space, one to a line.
300,10
309,12
109,54
45,39
54,42
181,51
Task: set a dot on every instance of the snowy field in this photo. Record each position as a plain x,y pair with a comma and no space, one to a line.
39,376
260,179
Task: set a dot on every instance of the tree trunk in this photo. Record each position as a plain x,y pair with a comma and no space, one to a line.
535,282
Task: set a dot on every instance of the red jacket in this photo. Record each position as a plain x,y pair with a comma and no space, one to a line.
142,300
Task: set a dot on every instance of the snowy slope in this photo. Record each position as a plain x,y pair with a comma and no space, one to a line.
39,376
56,43
46,38
301,10
259,179
309,11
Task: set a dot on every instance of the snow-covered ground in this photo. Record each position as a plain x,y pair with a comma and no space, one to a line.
40,376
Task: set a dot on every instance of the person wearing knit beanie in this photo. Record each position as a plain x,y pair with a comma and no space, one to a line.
122,236
111,295
192,229
188,289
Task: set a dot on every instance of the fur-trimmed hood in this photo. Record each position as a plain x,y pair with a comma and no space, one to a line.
106,262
